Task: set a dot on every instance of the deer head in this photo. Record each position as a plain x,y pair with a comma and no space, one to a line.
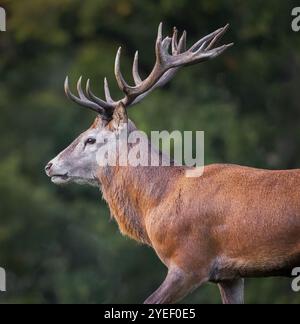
78,162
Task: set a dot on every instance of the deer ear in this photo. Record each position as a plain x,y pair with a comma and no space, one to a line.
119,116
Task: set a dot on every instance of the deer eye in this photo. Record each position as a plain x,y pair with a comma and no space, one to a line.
90,141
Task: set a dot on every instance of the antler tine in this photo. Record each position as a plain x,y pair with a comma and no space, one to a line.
217,51
202,46
135,69
120,79
107,93
100,102
159,38
182,43
80,91
217,37
206,38
84,97
85,103
175,41
166,44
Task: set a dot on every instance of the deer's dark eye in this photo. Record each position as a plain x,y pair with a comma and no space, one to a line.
90,141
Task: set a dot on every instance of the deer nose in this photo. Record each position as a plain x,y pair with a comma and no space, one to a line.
48,167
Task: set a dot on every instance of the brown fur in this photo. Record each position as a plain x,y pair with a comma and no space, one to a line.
233,221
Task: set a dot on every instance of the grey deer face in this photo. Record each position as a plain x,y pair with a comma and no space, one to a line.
80,161
77,163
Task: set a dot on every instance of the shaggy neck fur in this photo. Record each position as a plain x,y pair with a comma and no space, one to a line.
133,192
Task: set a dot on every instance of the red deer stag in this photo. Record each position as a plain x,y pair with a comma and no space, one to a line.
231,223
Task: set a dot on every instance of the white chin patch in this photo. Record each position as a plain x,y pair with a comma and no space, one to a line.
60,180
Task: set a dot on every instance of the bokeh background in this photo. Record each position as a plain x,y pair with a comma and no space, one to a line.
58,244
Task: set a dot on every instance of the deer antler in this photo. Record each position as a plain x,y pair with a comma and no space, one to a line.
165,68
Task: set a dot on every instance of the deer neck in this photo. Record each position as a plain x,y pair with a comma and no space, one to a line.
132,192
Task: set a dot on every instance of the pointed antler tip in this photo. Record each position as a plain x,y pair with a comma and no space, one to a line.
79,82
226,27
118,59
67,80
175,33
67,87
160,27
105,83
66,84
119,52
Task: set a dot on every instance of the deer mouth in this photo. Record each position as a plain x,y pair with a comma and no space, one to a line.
60,178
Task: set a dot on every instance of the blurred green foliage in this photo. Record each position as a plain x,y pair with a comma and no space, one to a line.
58,244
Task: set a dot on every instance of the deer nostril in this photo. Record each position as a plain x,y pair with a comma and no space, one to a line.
48,167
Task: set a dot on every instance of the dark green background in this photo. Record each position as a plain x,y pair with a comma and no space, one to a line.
58,243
